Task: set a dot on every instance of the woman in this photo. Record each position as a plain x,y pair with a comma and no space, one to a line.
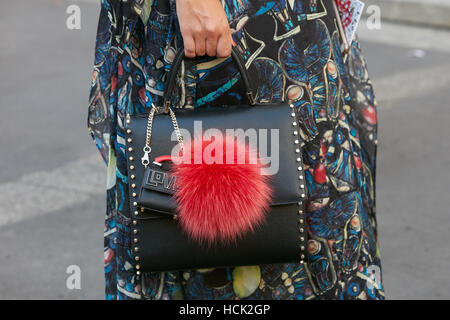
293,48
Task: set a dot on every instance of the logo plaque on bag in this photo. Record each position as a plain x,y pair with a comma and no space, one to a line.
159,180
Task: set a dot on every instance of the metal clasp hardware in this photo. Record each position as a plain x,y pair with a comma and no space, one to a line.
166,106
250,97
146,159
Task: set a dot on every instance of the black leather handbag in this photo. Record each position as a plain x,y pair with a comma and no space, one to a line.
158,243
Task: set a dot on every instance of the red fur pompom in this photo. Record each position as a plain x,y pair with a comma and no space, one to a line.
220,196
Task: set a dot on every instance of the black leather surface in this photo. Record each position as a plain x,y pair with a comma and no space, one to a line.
166,248
161,243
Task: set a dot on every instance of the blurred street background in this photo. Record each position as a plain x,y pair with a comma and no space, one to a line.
52,179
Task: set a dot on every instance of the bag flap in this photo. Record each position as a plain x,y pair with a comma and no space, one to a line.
274,125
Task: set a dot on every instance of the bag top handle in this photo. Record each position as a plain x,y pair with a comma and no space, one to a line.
176,66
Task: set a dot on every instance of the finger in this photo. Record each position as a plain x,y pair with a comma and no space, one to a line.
200,46
211,46
224,46
189,46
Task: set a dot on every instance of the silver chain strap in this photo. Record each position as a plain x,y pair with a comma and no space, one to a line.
147,149
177,129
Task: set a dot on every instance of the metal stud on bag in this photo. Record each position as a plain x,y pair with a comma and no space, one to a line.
301,220
133,186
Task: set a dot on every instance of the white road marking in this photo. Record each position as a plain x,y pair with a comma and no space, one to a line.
411,83
415,82
408,36
47,191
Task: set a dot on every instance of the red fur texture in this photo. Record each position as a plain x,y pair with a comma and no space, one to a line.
223,200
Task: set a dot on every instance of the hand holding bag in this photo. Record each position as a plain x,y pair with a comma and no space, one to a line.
159,242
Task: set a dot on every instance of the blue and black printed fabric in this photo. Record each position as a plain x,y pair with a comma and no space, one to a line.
293,48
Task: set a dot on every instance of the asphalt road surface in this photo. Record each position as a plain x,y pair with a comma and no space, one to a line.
52,179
